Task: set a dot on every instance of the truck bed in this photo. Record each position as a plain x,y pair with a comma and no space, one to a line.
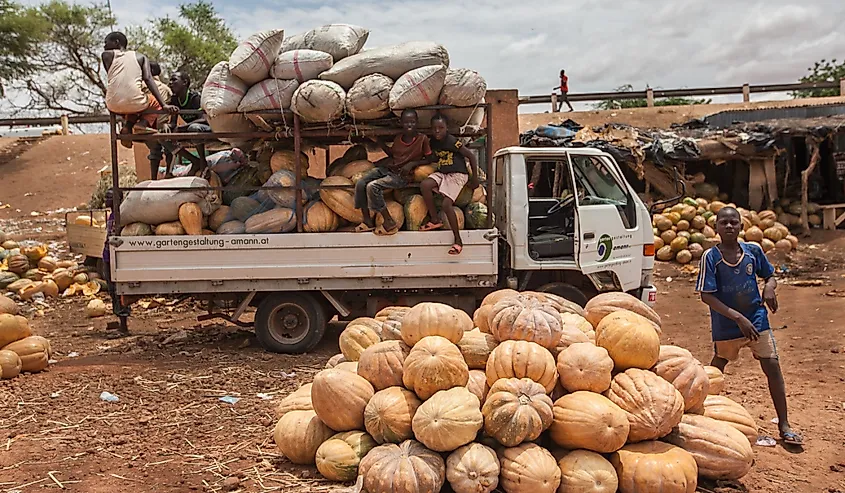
306,261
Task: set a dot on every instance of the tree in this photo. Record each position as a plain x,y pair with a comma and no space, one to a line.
21,31
616,104
822,71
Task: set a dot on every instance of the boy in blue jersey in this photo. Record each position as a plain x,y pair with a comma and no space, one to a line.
738,317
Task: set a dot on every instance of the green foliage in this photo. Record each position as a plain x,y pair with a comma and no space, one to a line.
21,30
617,104
822,71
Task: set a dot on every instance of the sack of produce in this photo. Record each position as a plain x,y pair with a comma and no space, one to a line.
269,94
234,122
301,65
463,87
369,97
223,91
151,206
392,61
317,101
419,87
338,40
253,58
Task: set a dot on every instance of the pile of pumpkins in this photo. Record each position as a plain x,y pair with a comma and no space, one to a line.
684,231
533,394
326,210
20,351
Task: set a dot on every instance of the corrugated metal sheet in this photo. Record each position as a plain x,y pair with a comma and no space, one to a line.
725,119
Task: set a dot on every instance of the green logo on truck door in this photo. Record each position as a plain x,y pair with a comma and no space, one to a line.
605,247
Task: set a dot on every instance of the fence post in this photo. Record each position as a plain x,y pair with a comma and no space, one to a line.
64,120
746,93
842,86
554,102
649,97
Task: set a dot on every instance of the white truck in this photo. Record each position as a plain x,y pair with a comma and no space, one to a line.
565,221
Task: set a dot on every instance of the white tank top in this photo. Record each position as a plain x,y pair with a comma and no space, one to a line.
125,94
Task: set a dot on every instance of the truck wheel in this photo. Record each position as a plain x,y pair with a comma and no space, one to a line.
289,322
567,291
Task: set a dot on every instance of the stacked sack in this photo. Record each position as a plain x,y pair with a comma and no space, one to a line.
534,394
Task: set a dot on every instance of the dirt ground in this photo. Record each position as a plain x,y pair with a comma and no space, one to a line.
170,431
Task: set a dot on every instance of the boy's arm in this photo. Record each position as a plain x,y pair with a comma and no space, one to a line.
744,324
151,84
770,297
108,58
473,162
428,158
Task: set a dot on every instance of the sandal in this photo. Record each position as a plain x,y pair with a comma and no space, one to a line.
430,226
139,130
456,249
380,231
791,438
364,228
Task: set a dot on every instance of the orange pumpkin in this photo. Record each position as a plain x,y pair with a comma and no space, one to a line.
582,471
630,339
655,467
473,468
433,319
584,366
525,319
405,468
717,380
298,435
13,328
34,352
476,347
448,420
522,359
190,217
339,398
724,409
720,450
477,384
653,406
606,303
389,415
584,420
516,411
10,364
298,400
356,337
382,363
678,366
434,364
528,468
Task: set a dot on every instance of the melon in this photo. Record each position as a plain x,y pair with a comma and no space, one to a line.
338,457
475,215
416,213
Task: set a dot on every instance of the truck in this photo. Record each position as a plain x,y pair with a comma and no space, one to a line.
560,220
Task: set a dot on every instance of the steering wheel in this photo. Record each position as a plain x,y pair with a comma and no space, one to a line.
561,204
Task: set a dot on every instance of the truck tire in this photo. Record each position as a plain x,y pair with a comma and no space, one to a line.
289,322
567,291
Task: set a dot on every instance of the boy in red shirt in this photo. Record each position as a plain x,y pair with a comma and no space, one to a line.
564,91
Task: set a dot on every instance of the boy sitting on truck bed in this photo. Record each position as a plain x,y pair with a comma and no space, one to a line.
410,149
449,179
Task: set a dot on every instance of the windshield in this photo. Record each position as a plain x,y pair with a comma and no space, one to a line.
597,185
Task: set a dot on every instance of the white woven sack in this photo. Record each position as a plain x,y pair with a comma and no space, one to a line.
463,87
318,101
338,40
466,116
392,61
301,65
234,122
419,87
222,91
269,94
369,97
254,57
151,206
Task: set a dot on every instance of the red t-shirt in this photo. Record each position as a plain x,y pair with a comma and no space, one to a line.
564,83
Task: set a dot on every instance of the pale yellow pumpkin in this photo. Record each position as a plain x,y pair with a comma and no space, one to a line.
528,468
687,374
433,319
724,409
585,366
7,307
174,228
389,414
570,335
339,398
405,468
476,347
579,322
218,217
355,338
298,400
48,264
298,435
10,364
630,339
606,303
497,296
63,278
477,384
382,363
449,419
13,328
655,467
583,471
335,360
717,380
473,468
559,303
585,420
516,411
34,352
338,457
350,366
525,319
720,450
653,406
481,318
434,364
382,314
522,359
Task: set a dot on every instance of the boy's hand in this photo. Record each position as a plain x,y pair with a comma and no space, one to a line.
473,183
747,328
770,298
172,109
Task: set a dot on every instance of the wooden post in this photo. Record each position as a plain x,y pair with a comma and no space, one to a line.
649,97
554,102
842,86
813,146
65,129
746,93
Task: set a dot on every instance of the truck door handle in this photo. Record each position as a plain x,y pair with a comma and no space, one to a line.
589,236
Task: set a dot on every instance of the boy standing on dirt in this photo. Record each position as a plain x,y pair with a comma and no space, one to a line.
410,149
120,311
449,179
738,317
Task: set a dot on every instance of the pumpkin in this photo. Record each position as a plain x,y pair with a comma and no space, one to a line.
389,414
7,278
95,308
571,335
34,352
8,307
319,218
717,380
683,257
653,406
606,303
677,366
783,246
381,364
63,278
731,412
794,240
350,366
232,228
18,264
355,338
67,264
585,420
218,217
137,229
298,400
434,364
353,168
661,222
655,467
579,322
339,398
341,200
449,419
423,172
49,288
720,450
35,252
583,471
754,234
416,212
190,217
433,319
34,275
473,468
767,245
19,285
286,159
658,243
10,364
13,328
384,313
665,254
630,339
668,237
405,468
585,366
481,318
334,361
497,296
476,347
391,328
48,264
174,228
298,435
559,303
516,410
525,319
528,468
477,384
338,457
278,220
683,225
522,359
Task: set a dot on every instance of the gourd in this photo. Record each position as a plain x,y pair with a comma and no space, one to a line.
35,252
571,335
606,303
350,366
630,340
579,322
382,364
677,366
18,264
477,384
48,264
339,399
242,208
449,419
190,217
683,257
95,308
476,347
655,467
298,435
286,159
516,410
13,328
481,318
8,307
389,414
355,338
232,228
416,212
497,296
34,352
298,400
50,288
218,217
10,364
459,216
526,319
723,409
341,200
433,319
473,468
7,278
170,229
585,366
522,359
136,229
653,406
319,218
19,285
717,380
338,457
434,364
583,471
405,468
585,420
63,278
278,220
352,168
720,450
528,468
